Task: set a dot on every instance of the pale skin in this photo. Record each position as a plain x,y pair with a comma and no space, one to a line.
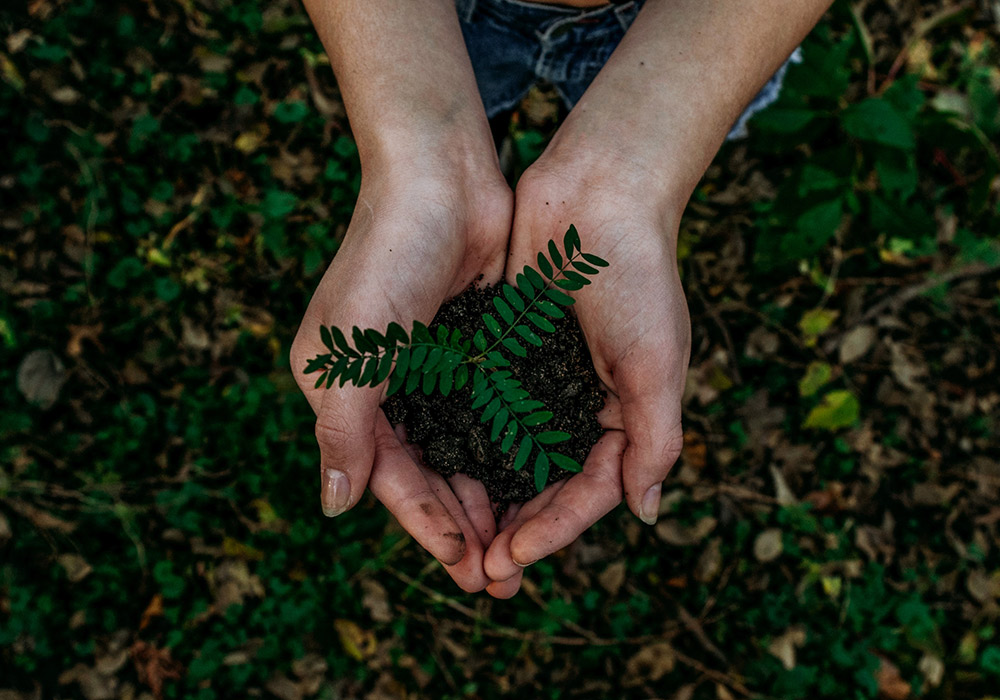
621,168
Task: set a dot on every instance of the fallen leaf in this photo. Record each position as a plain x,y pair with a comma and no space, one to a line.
76,566
783,647
710,562
154,609
932,669
612,578
651,663
890,681
839,409
358,643
376,601
816,322
768,545
40,377
817,374
154,666
672,532
856,343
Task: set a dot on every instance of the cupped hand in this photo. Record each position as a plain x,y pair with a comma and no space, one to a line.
416,239
635,321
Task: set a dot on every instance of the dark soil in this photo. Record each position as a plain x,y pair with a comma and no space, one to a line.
448,430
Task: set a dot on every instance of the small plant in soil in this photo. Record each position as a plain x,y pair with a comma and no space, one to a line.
442,360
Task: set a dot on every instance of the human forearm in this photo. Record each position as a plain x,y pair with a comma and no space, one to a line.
667,97
406,81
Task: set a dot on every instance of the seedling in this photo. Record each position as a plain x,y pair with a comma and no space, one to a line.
445,362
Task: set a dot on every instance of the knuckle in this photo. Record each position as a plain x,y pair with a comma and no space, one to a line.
333,432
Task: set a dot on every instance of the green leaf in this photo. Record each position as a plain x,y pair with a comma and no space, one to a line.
447,381
371,364
442,335
497,360
482,398
375,338
523,452
403,361
593,260
352,372
491,408
552,437
420,333
584,268
506,313
417,357
341,341
492,325
559,297
331,378
536,279
499,421
569,285
564,462
395,382
395,334
433,359
317,363
571,240
428,383
384,367
576,278
549,308
526,405
514,346
537,418
524,285
461,376
541,471
508,438
361,342
528,335
541,322
817,374
324,334
877,120
319,382
479,340
513,297
514,395
839,409
554,254
412,381
544,266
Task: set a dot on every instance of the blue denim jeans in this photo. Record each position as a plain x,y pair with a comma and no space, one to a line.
513,44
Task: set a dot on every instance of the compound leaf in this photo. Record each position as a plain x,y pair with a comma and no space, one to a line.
544,265
541,471
554,254
515,347
564,462
506,313
513,297
523,452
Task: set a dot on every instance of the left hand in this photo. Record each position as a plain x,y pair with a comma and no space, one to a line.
635,321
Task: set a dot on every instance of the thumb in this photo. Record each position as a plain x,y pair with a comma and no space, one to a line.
345,431
652,421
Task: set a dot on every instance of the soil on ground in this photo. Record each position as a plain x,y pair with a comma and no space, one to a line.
449,433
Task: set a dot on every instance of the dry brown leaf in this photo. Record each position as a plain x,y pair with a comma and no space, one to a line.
650,664
768,545
856,343
672,532
612,578
932,669
40,377
783,647
154,609
376,601
154,666
890,681
710,562
76,566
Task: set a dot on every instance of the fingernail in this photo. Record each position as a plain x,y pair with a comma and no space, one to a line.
335,492
649,509
522,565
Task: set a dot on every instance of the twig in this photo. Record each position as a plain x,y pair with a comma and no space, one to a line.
906,294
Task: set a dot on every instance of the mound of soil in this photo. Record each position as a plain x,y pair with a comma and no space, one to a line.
448,430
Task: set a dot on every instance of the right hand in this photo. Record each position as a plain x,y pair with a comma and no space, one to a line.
418,237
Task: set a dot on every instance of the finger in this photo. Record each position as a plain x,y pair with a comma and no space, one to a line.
506,589
345,431
468,572
403,489
586,498
652,421
498,563
472,497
